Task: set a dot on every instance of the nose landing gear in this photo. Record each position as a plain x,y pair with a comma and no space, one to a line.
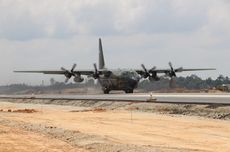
106,90
128,91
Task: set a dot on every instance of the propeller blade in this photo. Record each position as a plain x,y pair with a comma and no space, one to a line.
146,72
73,67
172,73
63,69
95,67
154,68
143,66
95,75
170,65
68,74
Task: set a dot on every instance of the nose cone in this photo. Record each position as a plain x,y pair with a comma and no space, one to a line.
135,76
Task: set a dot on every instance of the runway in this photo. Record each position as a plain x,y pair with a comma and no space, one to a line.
177,98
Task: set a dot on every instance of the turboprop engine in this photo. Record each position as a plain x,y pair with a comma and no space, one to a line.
150,74
69,73
78,79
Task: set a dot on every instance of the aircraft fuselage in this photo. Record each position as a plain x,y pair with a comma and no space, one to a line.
126,80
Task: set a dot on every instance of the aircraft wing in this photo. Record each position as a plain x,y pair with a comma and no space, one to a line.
180,70
68,73
82,72
141,72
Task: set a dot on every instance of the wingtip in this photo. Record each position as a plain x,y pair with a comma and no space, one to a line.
211,69
18,71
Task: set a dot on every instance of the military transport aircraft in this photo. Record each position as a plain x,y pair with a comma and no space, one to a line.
119,79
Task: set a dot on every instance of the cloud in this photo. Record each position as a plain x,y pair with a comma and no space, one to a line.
25,20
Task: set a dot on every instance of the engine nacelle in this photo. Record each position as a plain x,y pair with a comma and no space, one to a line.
151,78
78,79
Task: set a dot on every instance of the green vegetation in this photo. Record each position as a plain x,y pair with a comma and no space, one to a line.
190,82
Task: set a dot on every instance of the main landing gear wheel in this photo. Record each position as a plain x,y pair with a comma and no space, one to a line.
129,91
106,91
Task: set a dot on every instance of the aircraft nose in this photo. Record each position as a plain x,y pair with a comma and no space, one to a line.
135,78
133,82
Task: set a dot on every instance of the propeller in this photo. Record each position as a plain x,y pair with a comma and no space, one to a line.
73,67
152,70
146,73
151,74
69,73
172,74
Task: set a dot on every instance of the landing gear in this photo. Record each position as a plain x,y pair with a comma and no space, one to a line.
129,91
106,90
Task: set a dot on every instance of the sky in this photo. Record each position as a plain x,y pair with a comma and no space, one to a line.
49,34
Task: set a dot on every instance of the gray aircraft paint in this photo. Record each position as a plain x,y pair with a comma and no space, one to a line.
101,56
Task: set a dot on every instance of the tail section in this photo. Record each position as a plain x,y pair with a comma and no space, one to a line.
101,56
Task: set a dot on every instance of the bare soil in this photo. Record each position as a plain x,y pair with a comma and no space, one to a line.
108,127
15,139
214,111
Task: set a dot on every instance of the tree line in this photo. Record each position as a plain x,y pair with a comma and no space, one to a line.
189,82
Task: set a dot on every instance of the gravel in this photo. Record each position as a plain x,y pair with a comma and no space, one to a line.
81,140
209,111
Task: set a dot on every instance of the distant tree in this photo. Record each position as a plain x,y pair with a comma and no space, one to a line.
52,81
209,82
220,78
189,82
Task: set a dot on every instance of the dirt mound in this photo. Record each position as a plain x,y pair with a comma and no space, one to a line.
209,111
88,110
25,110
99,110
19,110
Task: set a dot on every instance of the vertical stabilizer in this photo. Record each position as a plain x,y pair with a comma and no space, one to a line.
101,56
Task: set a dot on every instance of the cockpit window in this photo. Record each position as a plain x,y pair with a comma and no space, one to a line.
126,74
129,74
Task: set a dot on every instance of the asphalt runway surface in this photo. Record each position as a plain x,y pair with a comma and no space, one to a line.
177,98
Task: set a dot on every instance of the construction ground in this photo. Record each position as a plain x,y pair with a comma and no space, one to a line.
53,126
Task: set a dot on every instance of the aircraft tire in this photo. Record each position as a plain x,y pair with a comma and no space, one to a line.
106,91
129,91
